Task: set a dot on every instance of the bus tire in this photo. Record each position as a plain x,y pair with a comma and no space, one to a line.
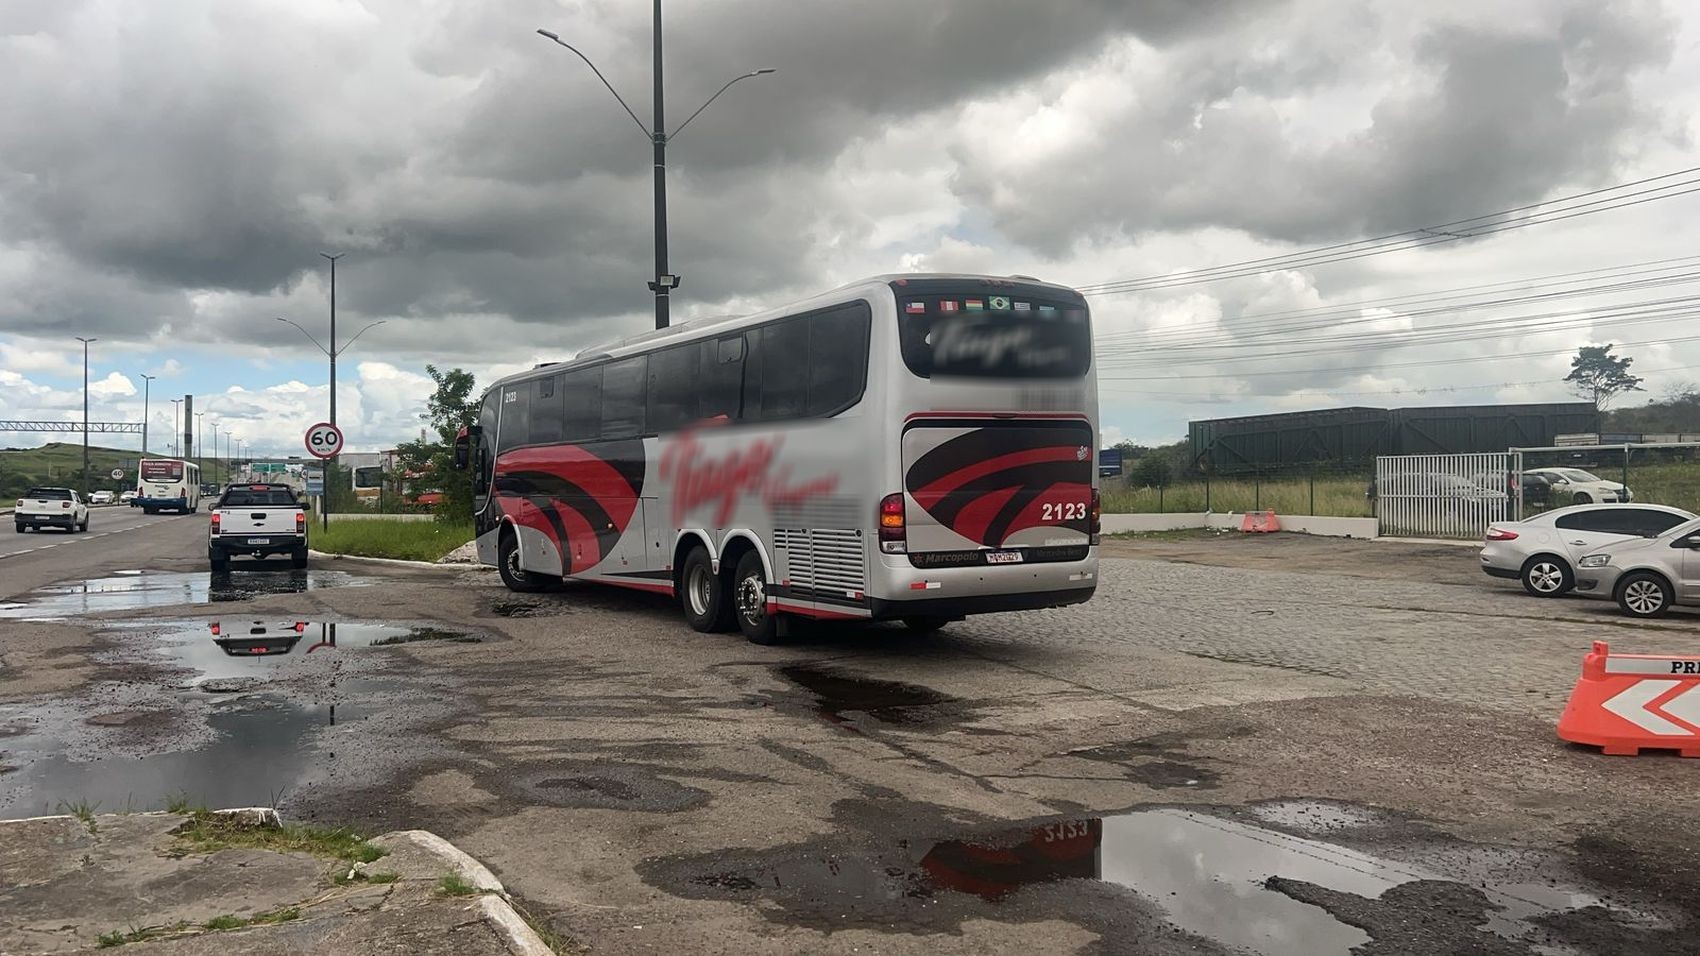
507,561
150,511
749,595
701,594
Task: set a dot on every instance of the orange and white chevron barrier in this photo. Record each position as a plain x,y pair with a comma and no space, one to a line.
1627,703
1260,521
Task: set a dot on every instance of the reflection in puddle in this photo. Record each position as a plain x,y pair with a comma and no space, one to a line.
263,748
1246,887
268,693
127,591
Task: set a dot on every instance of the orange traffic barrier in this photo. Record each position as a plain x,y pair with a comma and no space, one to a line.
1260,521
1627,703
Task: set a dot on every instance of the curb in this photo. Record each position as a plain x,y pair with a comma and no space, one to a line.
493,905
398,562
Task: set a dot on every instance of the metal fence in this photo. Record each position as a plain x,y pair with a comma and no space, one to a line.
1325,488
1444,496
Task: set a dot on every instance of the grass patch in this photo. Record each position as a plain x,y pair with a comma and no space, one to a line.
224,922
83,811
380,538
1176,534
555,941
179,803
205,832
1341,497
453,884
120,937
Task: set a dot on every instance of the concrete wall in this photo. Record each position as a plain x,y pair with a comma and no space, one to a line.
1303,524
375,516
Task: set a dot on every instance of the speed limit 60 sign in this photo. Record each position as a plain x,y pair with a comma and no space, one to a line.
324,440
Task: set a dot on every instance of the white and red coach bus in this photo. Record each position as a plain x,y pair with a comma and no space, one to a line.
917,447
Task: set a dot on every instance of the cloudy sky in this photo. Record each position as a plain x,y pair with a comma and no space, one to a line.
171,170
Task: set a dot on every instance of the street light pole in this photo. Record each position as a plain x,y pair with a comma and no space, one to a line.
664,282
176,428
198,421
147,390
215,453
85,479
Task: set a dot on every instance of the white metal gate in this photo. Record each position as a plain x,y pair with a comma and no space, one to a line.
1443,496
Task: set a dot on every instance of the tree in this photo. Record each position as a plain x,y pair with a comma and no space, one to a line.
450,408
1153,471
1598,375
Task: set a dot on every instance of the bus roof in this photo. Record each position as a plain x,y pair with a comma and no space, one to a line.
702,327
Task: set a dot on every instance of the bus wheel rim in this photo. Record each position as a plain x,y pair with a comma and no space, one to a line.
514,570
752,599
699,589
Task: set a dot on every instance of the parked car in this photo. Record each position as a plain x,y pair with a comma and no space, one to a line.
1543,552
1646,577
51,508
100,498
127,498
1580,487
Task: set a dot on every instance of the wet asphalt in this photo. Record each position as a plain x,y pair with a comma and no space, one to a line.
987,790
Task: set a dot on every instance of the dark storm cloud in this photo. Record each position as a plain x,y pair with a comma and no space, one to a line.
1485,118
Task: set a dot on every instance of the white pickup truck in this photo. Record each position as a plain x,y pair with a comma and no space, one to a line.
257,520
51,508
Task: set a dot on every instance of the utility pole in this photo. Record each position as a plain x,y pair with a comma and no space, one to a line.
664,282
147,390
85,479
198,435
176,428
216,479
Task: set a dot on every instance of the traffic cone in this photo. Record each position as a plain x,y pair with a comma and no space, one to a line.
1259,521
1627,703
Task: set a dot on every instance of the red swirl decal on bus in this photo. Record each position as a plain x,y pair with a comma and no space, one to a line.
721,482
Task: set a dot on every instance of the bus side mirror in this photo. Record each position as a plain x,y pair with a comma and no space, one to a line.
463,446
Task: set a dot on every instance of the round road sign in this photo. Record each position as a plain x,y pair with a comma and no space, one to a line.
117,474
324,440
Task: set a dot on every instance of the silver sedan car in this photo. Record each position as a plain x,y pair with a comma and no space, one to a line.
1646,577
1543,552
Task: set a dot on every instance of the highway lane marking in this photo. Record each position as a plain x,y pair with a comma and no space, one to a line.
74,539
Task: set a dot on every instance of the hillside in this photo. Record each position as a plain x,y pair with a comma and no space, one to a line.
58,463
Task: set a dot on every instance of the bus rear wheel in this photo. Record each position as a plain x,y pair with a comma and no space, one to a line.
925,624
749,595
701,594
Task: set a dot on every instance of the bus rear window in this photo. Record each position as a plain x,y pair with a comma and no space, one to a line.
162,471
993,336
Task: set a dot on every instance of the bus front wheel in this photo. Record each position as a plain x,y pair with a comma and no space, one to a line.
749,593
515,577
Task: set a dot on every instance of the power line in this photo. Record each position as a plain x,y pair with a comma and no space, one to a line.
1470,228
1371,368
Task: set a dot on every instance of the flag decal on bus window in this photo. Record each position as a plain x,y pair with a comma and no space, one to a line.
948,306
1023,306
915,308
999,303
974,305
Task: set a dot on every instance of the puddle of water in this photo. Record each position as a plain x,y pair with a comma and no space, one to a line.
231,655
843,697
1248,888
261,751
131,590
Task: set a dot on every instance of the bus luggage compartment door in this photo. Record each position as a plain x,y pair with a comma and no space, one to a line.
997,485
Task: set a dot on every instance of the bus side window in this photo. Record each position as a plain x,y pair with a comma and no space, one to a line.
785,370
673,388
583,399
722,378
623,386
516,415
838,358
548,412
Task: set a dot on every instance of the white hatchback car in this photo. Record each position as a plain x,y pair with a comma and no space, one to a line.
1543,552
1578,487
100,498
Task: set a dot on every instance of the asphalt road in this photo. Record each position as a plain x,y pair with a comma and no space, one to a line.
1202,759
118,537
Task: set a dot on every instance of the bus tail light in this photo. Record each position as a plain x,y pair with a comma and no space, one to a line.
1097,525
893,534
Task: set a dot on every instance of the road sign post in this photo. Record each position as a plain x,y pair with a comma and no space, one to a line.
324,441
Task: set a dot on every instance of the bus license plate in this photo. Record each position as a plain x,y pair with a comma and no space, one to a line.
259,541
1003,557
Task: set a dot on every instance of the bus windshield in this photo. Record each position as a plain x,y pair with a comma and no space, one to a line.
979,335
155,469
